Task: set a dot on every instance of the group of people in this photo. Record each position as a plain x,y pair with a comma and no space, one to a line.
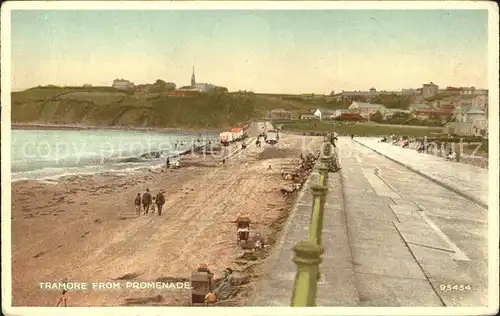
400,141
422,146
149,202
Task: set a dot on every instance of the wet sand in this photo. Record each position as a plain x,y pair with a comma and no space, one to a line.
85,228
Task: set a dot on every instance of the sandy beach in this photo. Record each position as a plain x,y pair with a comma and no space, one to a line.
85,228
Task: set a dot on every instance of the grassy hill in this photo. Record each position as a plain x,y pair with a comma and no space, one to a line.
109,107
105,106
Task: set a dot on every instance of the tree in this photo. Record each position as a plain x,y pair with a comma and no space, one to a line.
377,117
220,89
162,86
399,118
393,101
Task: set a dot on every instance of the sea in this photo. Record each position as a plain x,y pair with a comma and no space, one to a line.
51,154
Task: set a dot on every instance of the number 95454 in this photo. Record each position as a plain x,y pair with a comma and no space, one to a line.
455,287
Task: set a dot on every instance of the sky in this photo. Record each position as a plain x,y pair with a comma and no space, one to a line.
257,50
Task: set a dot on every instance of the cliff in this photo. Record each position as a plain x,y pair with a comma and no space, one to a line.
101,106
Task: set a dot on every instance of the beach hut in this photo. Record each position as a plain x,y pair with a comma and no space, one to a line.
226,137
237,133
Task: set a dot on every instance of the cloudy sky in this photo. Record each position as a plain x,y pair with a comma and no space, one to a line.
264,51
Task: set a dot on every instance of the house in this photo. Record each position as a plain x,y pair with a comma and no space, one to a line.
340,112
280,114
476,117
465,129
464,103
429,90
122,84
390,112
199,87
467,91
308,117
324,113
428,113
445,106
417,106
451,91
480,102
366,109
347,116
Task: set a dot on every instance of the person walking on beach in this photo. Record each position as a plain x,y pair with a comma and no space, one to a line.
168,163
160,201
137,204
146,201
63,300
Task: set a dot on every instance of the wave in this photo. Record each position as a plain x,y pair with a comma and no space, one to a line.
81,161
44,158
55,174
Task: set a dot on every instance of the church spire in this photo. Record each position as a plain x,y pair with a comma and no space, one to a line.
193,78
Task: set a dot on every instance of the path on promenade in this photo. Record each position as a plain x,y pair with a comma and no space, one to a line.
392,238
467,180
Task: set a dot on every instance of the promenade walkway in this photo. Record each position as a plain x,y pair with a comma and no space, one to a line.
466,180
337,283
392,238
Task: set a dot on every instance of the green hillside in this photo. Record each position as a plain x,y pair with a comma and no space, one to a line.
104,106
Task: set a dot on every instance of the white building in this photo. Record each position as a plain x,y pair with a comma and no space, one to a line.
480,102
122,84
198,87
323,114
366,109
467,90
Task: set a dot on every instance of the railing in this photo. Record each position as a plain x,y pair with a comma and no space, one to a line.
308,253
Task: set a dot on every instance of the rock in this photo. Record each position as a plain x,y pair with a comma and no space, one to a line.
240,262
239,278
249,256
224,290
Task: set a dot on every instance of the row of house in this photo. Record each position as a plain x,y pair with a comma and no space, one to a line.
469,118
428,90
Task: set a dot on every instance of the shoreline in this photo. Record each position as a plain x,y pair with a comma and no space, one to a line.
43,126
197,152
